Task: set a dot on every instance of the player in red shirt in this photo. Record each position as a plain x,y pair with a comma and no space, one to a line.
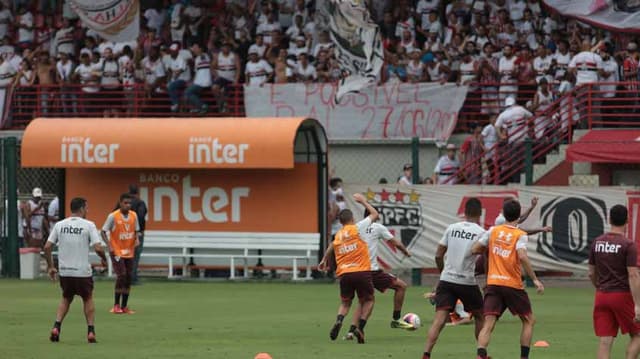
613,270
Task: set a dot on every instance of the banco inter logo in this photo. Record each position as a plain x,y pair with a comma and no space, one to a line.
84,150
400,212
210,150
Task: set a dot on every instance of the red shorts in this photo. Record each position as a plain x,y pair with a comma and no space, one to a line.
613,311
356,282
80,286
498,298
382,280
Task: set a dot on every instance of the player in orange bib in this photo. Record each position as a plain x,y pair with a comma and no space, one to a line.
121,231
353,267
506,247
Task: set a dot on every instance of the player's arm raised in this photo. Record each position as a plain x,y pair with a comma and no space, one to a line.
527,213
373,213
526,264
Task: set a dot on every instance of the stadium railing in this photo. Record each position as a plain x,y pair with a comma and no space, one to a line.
586,107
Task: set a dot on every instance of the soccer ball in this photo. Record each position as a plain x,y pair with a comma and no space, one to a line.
413,320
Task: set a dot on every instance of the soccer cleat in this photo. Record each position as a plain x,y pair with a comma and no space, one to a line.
401,324
55,335
91,338
126,310
349,336
359,334
116,309
335,330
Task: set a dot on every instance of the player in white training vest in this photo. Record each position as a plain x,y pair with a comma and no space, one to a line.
74,237
382,280
457,278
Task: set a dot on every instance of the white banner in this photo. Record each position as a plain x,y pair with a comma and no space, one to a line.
613,15
419,215
391,111
115,20
358,45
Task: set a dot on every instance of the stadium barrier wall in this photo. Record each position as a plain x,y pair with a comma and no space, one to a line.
419,215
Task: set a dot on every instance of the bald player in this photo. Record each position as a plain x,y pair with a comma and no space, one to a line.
351,248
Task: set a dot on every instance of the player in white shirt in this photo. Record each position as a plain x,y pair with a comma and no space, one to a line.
457,273
257,71
382,280
74,237
202,79
447,167
586,65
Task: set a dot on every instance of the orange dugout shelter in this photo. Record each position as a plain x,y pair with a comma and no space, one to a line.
218,175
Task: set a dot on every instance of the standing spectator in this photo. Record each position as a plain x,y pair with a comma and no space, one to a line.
542,64
111,87
562,59
257,71
447,167
140,208
415,68
155,17
305,72
630,72
512,128
226,65
266,29
64,75
178,23
542,100
45,74
259,47
468,70
609,76
488,76
25,27
283,72
7,73
525,74
613,270
53,212
179,75
324,43
194,17
490,143
35,219
508,76
471,155
6,19
586,65
202,79
394,72
85,75
407,175
437,71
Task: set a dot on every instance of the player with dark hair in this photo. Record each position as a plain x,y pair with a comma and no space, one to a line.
123,229
382,280
457,278
74,236
353,267
613,270
507,254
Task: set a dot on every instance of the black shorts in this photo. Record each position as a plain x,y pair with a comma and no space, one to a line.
498,298
447,294
122,266
382,280
222,82
80,286
356,282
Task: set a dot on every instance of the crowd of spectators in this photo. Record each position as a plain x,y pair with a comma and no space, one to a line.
190,47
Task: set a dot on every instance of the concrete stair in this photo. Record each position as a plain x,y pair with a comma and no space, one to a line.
553,159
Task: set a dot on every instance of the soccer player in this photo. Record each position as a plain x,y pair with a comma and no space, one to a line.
353,266
614,272
74,236
382,280
123,230
457,278
507,254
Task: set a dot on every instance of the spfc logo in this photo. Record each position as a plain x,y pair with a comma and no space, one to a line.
400,212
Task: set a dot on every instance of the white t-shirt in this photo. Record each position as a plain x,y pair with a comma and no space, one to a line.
53,210
25,34
193,14
374,233
513,119
5,19
74,237
562,62
155,19
306,74
257,72
64,41
6,74
259,49
446,168
506,67
178,64
541,65
202,66
65,70
587,63
459,263
489,136
266,30
152,70
500,220
610,66
86,77
423,8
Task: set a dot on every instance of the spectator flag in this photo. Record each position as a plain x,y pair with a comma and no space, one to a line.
613,15
115,20
358,45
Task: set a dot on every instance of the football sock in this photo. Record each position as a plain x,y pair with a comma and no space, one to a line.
363,322
125,300
117,297
482,353
396,314
91,329
426,355
57,325
340,318
524,352
352,328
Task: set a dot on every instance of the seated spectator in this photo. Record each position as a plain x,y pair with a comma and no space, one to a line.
202,79
226,65
179,76
154,73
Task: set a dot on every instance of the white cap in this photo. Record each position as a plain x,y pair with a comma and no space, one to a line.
509,101
174,47
37,192
451,146
253,49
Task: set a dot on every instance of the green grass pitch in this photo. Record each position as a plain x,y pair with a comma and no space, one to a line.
289,321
